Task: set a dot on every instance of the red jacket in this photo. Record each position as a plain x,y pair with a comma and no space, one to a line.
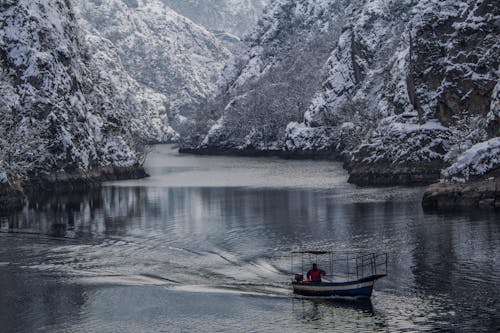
314,275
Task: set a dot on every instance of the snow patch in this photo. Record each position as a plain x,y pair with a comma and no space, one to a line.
3,177
476,161
299,137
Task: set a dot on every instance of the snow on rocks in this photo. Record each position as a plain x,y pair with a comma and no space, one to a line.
59,112
477,161
146,109
408,75
160,49
231,16
397,143
493,117
302,138
3,177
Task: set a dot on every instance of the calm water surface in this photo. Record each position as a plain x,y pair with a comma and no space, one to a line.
203,245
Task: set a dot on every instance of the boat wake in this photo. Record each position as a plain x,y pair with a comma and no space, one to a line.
247,290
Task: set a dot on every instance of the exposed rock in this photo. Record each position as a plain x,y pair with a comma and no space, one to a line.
60,182
402,154
483,194
146,108
473,181
449,82
272,81
58,112
380,174
64,123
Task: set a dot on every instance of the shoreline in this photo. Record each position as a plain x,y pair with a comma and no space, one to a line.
13,197
478,194
386,174
438,197
302,155
377,175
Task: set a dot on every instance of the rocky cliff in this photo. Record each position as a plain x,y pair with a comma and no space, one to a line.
60,112
398,89
473,181
271,83
162,50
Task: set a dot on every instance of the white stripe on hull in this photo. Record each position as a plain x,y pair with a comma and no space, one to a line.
332,288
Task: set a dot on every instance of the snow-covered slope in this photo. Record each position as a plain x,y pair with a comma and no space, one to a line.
60,111
160,49
231,16
271,83
146,109
395,86
481,159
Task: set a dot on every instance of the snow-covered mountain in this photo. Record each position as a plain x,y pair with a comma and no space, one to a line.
272,82
234,17
147,109
398,88
160,49
85,83
66,106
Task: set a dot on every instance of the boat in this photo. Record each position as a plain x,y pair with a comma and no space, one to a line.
349,275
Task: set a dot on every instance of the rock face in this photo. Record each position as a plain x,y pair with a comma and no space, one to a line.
82,89
387,174
178,60
59,111
64,182
473,181
146,109
473,195
452,61
399,89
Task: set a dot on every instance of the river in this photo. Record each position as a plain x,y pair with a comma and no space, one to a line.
203,246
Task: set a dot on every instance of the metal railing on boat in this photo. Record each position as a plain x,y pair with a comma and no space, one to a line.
345,265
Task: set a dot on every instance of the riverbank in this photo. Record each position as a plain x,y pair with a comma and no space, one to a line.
438,197
13,196
480,194
303,154
387,174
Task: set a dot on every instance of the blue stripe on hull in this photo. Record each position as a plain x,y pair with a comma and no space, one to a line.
363,292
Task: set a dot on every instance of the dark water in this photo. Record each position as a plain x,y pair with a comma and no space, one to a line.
203,245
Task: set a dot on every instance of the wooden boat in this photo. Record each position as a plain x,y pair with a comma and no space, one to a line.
355,275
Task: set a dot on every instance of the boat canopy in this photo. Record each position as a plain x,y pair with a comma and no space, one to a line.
317,252
347,265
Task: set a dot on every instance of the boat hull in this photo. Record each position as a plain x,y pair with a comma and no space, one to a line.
356,288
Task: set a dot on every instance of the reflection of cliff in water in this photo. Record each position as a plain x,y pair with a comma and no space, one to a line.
78,215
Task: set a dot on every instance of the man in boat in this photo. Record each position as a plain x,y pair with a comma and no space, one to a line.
314,274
